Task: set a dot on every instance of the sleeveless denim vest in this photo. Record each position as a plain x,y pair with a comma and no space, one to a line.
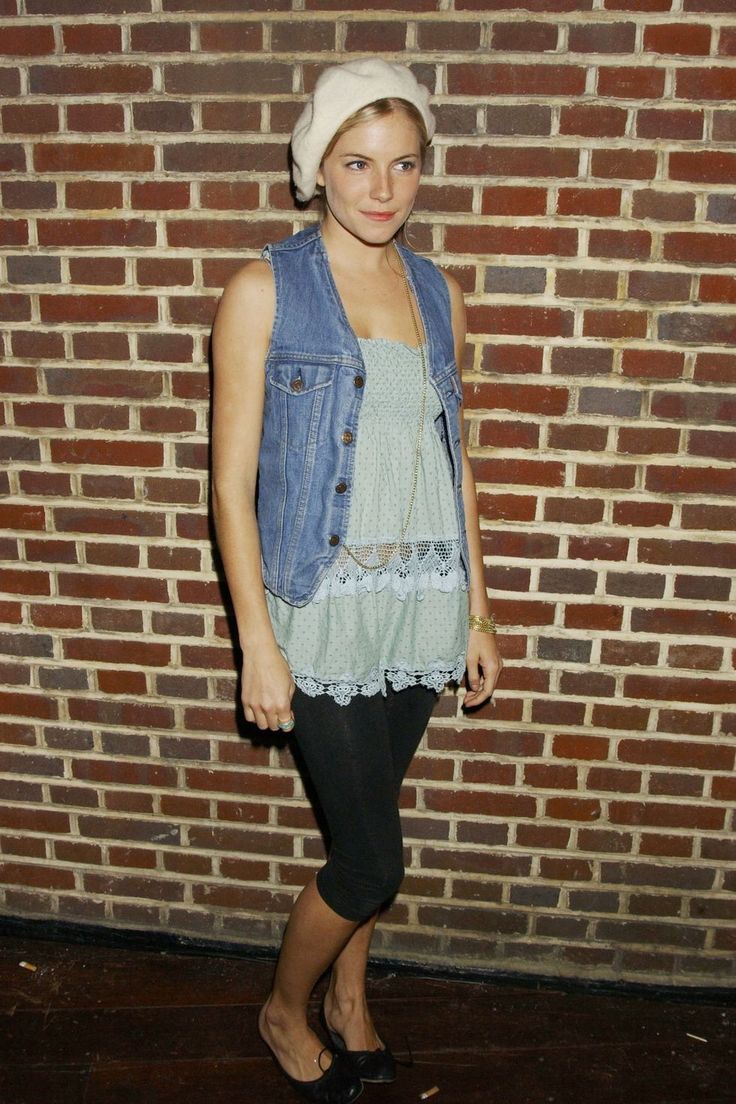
314,383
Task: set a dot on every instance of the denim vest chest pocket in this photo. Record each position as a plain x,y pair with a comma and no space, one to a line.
300,393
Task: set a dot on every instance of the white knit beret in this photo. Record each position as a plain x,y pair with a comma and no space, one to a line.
340,90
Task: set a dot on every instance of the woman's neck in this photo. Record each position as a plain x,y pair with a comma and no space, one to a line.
346,251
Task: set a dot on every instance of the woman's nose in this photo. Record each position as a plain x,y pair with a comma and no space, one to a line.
381,186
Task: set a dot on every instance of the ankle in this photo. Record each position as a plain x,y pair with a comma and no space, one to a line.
345,999
281,1016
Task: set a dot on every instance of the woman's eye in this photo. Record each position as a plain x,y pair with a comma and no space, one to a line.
355,164
406,166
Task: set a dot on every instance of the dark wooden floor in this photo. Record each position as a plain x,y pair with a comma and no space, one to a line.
103,1025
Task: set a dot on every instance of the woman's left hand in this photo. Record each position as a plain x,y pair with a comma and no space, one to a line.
483,666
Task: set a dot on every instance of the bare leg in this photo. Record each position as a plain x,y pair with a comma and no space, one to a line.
314,936
346,1007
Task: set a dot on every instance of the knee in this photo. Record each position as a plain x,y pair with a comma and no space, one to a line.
383,881
357,894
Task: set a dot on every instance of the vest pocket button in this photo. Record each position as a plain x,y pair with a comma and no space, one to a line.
347,437
297,384
341,488
334,539
358,381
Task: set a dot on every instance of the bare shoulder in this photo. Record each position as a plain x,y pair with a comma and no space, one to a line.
457,308
248,299
252,284
456,292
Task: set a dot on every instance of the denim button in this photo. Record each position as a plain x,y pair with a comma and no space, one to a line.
347,437
358,381
334,539
341,488
297,384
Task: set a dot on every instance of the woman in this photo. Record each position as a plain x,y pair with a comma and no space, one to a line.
346,515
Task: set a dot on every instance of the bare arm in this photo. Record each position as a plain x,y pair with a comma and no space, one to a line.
240,338
482,650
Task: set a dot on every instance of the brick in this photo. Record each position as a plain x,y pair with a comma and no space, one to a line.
513,201
697,553
614,781
160,38
525,37
711,481
27,41
585,283
79,80
633,164
446,34
614,324
115,587
600,202
239,77
602,38
241,37
28,195
717,289
132,453
620,476
536,321
493,160
656,124
575,510
112,231
635,584
659,286
30,119
663,206
703,167
511,358
631,82
667,815
679,689
678,38
369,36
586,360
677,754
522,80
593,120
98,118
648,441
694,83
576,437
596,616
676,785
92,38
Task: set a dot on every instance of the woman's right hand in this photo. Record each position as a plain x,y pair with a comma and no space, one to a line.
268,688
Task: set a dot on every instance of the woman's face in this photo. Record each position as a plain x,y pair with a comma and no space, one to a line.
372,175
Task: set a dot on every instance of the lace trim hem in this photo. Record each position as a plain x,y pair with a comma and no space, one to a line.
400,677
410,569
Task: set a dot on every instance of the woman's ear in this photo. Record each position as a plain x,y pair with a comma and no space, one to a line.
320,178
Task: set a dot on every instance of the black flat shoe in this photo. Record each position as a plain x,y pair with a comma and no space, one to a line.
338,1085
369,1065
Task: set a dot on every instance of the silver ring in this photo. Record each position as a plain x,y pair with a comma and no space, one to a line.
286,726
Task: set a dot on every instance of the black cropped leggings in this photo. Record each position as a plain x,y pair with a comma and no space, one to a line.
357,756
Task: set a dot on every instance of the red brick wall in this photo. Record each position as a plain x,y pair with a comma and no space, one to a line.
581,187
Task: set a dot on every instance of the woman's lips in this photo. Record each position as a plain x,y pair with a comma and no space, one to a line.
379,216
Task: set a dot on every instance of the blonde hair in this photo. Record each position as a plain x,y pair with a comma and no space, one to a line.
374,111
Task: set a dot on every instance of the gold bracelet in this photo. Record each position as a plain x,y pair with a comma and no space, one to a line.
483,624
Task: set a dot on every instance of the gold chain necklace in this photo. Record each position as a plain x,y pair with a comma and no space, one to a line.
388,550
